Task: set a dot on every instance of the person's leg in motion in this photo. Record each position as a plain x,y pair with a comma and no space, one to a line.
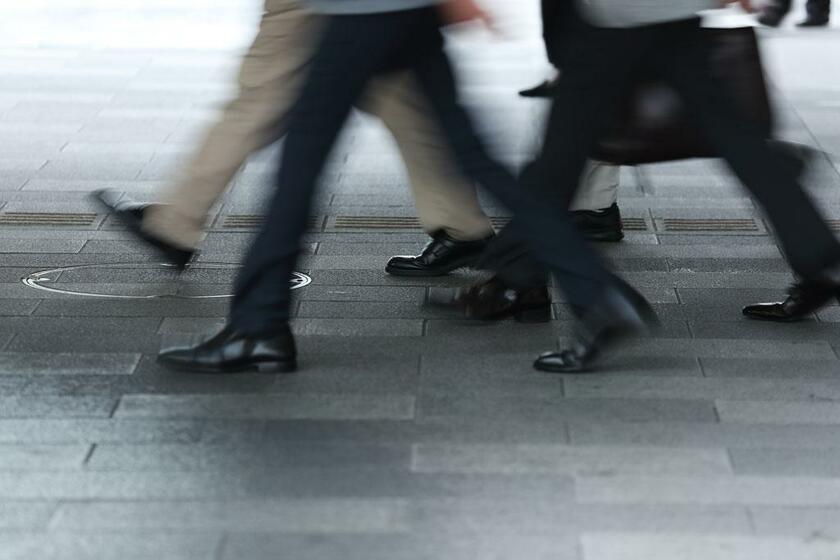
594,209
610,308
270,76
550,12
257,336
446,202
808,243
819,13
519,285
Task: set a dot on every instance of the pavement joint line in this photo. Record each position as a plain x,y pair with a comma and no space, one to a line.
89,454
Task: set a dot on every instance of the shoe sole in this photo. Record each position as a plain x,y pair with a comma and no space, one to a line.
775,319
579,369
463,263
610,237
264,367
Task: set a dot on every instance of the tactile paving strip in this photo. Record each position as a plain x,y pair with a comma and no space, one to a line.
255,221
708,225
46,219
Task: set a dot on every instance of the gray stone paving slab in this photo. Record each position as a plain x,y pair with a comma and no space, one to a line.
14,307
806,331
433,430
413,294
79,485
58,326
813,411
42,457
91,307
369,309
806,522
787,462
20,164
781,368
567,460
13,180
54,186
18,363
532,409
706,280
829,315
23,245
399,483
631,546
727,265
55,407
687,434
128,546
403,547
26,515
324,406
718,490
325,375
359,327
704,312
82,430
273,456
725,348
749,389
287,516
453,517
734,298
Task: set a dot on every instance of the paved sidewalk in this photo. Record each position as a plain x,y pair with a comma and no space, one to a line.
408,434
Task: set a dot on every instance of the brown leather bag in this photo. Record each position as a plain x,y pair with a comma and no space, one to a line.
654,126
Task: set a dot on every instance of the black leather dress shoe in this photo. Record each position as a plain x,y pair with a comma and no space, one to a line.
772,16
545,89
131,214
803,299
441,256
494,300
231,351
599,225
621,313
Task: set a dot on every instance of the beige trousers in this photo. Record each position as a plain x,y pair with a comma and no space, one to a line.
270,77
598,187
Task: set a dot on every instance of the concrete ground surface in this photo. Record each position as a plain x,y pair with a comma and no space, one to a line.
408,433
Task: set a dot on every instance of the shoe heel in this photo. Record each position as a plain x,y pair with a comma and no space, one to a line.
533,315
277,367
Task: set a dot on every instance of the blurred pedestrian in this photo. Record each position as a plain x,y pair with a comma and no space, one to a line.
818,13
666,38
270,77
365,39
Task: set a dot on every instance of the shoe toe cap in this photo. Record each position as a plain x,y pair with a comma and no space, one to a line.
559,362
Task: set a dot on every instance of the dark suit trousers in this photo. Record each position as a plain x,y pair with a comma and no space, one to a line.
551,12
601,66
352,51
